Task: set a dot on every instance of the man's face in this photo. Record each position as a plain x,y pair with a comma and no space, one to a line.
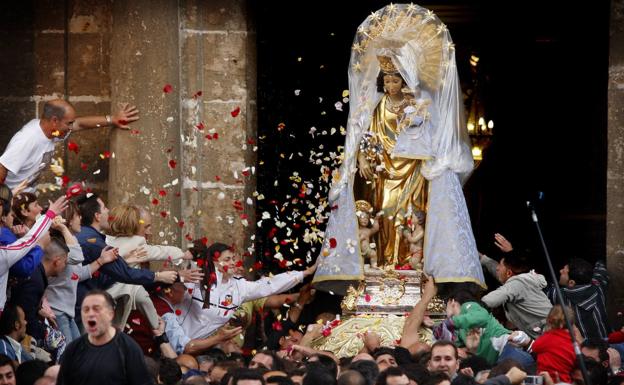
443,359
61,127
385,361
502,272
564,276
176,293
397,380
261,361
21,324
97,316
7,375
102,216
592,353
249,382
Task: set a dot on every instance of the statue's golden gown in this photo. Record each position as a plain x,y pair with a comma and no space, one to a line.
393,191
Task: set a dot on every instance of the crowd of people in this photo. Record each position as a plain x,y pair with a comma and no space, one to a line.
81,305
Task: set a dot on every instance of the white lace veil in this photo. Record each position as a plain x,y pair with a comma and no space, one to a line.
420,47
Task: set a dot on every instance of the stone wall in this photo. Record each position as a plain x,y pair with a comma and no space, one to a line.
191,69
33,70
615,168
191,157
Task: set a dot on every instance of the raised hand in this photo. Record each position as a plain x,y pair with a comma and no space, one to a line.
126,115
167,277
58,205
191,275
502,243
108,255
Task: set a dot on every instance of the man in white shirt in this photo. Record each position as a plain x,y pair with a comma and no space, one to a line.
31,149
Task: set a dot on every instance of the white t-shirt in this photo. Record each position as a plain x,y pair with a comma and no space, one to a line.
29,152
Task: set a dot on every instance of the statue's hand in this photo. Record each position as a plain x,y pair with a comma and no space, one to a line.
365,169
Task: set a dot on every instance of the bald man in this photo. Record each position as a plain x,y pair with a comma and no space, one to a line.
31,149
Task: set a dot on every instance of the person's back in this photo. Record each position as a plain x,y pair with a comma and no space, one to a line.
554,349
521,294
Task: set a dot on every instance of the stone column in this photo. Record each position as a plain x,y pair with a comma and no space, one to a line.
145,71
218,93
615,167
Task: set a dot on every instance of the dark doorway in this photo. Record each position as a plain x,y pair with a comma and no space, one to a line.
544,70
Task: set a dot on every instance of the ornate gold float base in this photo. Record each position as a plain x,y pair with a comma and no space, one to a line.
379,304
345,341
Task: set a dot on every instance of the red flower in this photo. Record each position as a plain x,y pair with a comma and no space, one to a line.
190,290
239,263
204,240
215,136
197,94
217,178
277,326
235,112
257,265
163,214
213,278
72,146
75,277
332,243
216,255
65,179
105,155
84,166
200,262
181,224
283,264
367,298
178,312
167,88
326,332
155,201
200,126
172,163
162,193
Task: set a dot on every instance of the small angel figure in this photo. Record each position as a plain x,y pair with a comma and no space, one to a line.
367,228
414,236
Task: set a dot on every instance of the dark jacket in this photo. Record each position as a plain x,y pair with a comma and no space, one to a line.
589,303
28,294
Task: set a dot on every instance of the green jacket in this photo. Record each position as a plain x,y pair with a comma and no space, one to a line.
473,315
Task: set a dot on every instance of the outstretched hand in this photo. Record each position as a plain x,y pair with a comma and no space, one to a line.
502,243
58,205
126,115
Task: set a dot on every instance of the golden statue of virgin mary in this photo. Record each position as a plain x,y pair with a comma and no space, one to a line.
407,153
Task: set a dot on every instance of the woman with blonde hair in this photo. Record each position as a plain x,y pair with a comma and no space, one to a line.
129,227
553,349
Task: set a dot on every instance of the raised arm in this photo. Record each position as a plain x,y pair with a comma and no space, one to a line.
417,315
126,115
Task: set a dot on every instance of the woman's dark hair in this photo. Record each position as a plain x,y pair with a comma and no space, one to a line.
21,202
208,256
8,319
380,80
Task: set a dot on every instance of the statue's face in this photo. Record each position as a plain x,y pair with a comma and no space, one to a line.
393,84
363,219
